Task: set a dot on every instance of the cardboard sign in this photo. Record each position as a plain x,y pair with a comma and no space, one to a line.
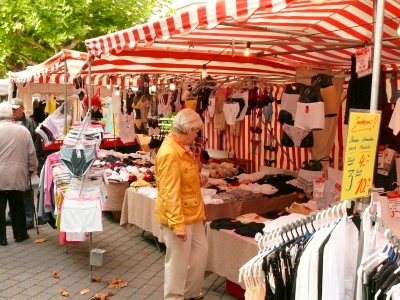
360,152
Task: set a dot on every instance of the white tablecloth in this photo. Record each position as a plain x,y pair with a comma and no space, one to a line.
228,252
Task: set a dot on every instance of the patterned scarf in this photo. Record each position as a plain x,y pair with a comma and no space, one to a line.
175,137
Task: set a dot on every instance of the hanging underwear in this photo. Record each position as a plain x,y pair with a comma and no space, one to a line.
164,104
231,110
219,116
153,108
129,102
296,137
289,102
268,111
243,100
310,116
152,123
138,115
126,125
202,99
240,101
77,161
211,107
395,91
178,99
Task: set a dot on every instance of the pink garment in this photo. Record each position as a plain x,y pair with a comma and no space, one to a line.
51,159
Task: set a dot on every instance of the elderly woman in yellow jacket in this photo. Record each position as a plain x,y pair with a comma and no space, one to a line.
180,209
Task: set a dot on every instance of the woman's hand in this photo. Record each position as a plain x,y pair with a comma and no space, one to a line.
182,235
203,180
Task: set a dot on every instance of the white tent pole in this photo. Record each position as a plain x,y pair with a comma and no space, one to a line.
65,99
90,83
376,63
295,33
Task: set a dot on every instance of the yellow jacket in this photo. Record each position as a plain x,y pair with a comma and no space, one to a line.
179,199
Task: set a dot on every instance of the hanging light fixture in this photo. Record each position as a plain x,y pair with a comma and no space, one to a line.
117,92
398,30
204,72
247,51
172,85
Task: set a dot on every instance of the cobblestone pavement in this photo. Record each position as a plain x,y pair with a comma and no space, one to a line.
26,268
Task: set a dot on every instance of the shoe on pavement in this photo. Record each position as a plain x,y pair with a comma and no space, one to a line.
21,239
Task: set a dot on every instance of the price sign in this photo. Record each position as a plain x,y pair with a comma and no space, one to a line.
360,152
394,204
319,186
363,62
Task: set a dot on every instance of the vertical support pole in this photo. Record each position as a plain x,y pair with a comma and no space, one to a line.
90,84
90,251
65,99
376,62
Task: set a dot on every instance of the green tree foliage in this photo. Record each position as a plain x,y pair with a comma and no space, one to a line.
31,31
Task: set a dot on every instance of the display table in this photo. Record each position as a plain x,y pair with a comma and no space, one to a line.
138,209
228,252
115,198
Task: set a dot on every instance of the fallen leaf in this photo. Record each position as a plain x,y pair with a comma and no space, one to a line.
64,293
146,251
84,291
117,283
102,296
41,240
97,279
55,274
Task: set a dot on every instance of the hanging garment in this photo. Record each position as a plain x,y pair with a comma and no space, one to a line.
164,104
340,262
231,110
138,115
126,125
296,137
153,108
310,116
288,107
219,118
211,107
394,123
77,161
129,102
116,102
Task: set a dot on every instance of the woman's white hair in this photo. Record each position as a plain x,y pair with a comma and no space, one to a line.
186,120
6,112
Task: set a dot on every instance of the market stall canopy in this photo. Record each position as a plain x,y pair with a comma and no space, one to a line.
167,64
4,87
289,32
53,69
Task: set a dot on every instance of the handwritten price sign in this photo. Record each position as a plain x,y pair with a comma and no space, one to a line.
394,204
360,152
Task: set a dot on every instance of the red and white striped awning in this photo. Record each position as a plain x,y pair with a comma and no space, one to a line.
292,33
52,70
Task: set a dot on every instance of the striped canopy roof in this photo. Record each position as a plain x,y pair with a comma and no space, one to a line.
53,69
284,34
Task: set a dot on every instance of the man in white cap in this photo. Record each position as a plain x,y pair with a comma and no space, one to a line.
17,106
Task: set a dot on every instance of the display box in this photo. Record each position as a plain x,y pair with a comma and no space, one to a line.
234,289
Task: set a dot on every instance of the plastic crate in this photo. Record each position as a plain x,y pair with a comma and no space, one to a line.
54,146
234,289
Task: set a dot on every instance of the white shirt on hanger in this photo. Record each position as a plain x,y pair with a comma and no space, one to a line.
340,262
